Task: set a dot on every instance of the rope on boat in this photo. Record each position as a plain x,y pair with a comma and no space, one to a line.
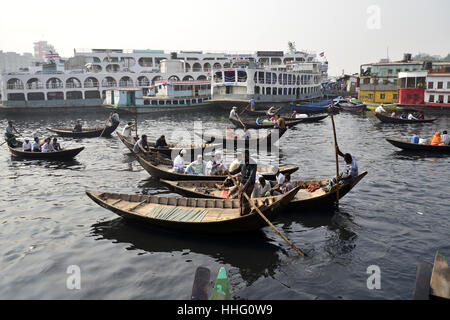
177,214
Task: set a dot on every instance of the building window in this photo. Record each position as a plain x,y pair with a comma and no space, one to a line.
431,98
440,85
370,96
389,71
430,85
383,96
395,96
441,99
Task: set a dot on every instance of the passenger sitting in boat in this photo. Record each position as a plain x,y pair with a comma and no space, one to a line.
380,109
161,143
141,146
274,118
216,166
420,116
36,145
46,147
350,170
229,133
285,187
178,163
411,117
78,127
280,124
436,140
271,111
55,145
27,145
261,189
393,114
403,116
197,167
126,132
248,170
236,162
233,113
259,121
445,138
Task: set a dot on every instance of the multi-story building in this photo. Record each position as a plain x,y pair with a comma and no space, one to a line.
41,48
14,62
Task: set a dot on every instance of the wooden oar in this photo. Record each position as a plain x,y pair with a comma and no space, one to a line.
245,109
239,118
267,220
337,160
101,134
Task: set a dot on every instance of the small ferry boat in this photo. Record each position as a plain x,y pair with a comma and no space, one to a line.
163,96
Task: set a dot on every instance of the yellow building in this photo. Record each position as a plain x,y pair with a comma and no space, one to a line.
378,95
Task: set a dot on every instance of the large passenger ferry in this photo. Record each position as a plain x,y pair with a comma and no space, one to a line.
295,81
84,79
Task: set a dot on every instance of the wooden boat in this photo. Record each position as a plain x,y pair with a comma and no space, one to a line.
319,199
221,290
65,154
405,145
290,122
174,149
313,108
266,141
200,287
261,113
372,106
163,171
388,119
86,133
212,216
351,107
433,280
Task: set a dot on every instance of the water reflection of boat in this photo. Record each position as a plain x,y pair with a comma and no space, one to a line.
258,257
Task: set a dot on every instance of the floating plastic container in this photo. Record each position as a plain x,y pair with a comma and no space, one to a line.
422,141
415,139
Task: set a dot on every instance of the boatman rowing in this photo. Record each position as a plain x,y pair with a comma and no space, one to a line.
233,113
9,134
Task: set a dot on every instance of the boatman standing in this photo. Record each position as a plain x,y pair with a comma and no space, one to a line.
9,134
248,170
350,170
252,104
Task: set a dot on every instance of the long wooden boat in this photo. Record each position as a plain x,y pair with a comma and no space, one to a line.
319,199
301,108
352,107
174,149
191,215
405,145
290,122
266,141
163,171
387,119
65,154
86,133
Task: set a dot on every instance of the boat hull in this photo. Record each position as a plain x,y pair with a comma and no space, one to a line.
419,147
67,154
387,119
87,133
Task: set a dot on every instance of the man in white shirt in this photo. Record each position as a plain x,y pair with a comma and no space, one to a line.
47,147
445,138
380,109
27,146
411,117
141,145
233,113
126,132
262,188
178,163
236,162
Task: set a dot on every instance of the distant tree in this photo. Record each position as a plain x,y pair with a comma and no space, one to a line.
428,57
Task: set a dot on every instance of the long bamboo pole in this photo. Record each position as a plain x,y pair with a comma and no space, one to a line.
101,134
337,159
267,220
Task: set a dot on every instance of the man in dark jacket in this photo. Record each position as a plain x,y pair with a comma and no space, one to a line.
248,170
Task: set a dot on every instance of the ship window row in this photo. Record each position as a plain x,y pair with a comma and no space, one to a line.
189,87
173,102
261,77
58,95
285,91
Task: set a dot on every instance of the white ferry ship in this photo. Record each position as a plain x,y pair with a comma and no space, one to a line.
83,80
294,81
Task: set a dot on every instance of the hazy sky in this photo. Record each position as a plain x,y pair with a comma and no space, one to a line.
350,32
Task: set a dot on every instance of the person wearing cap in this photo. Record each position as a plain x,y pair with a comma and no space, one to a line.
141,146
445,138
126,132
178,163
78,127
233,113
161,143
196,167
27,145
248,170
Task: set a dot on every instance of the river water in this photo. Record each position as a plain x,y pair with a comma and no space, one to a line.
396,217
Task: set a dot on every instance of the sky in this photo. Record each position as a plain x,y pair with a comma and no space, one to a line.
350,32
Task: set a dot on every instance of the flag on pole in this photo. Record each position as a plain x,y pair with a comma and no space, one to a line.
322,54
